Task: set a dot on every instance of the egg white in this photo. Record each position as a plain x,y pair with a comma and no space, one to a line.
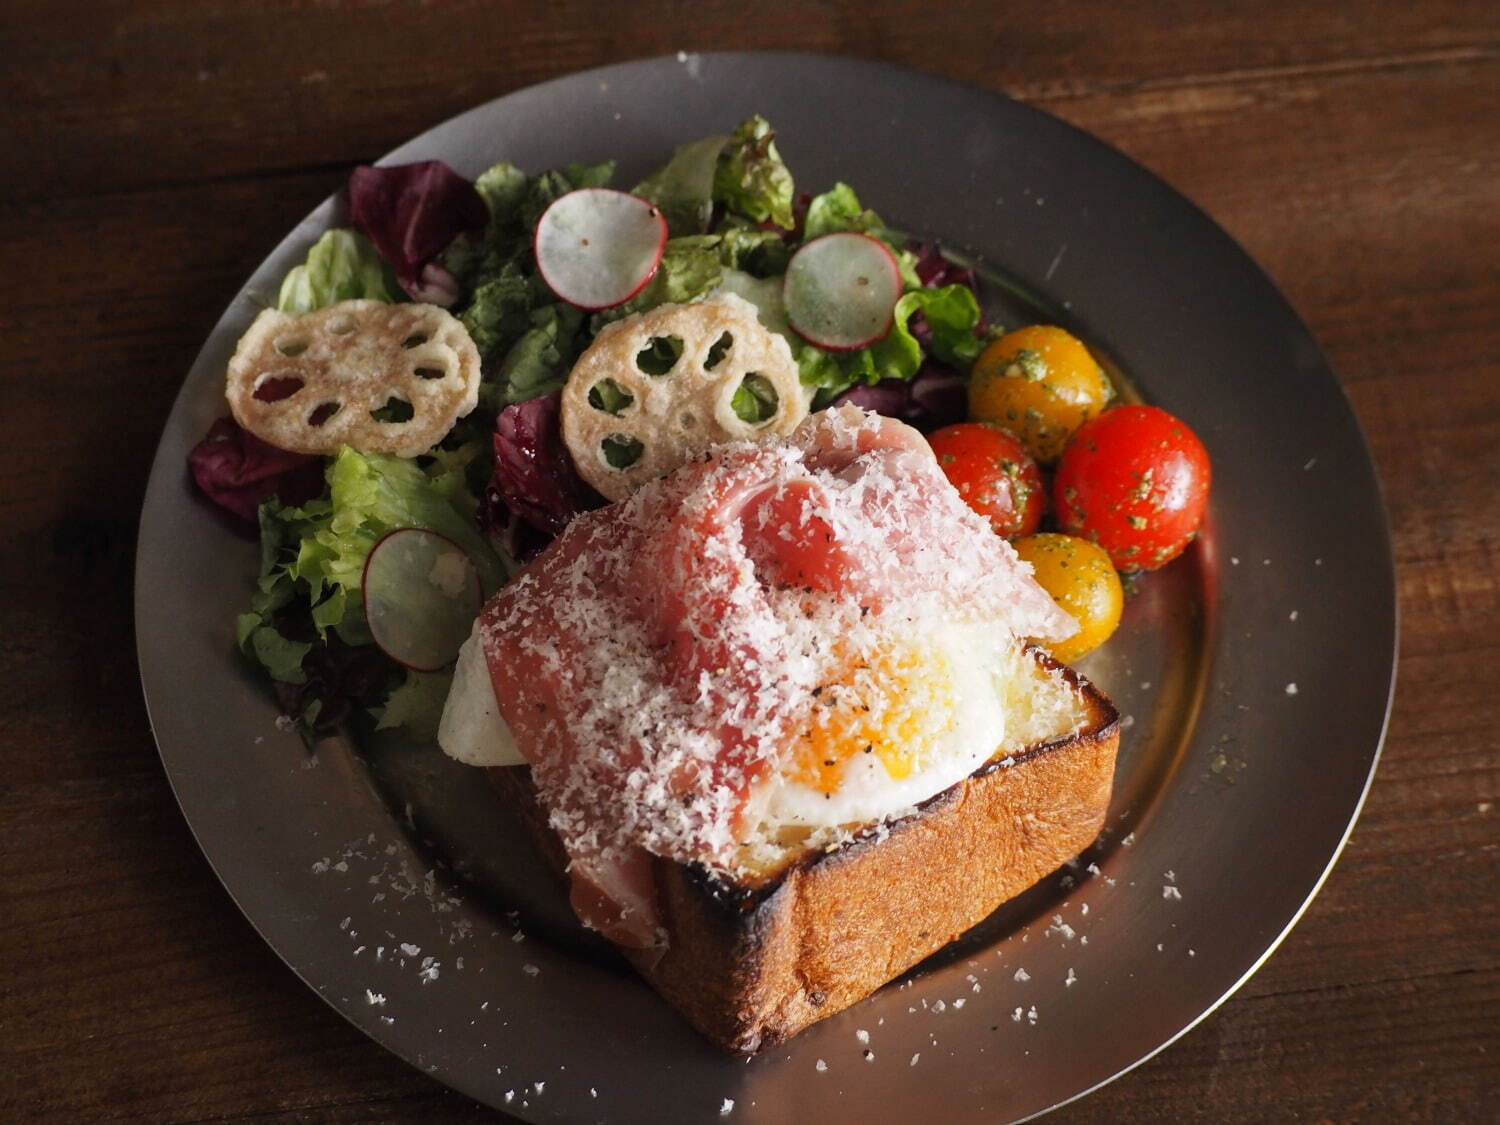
472,730
974,659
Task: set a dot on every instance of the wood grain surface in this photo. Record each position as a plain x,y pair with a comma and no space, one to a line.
151,153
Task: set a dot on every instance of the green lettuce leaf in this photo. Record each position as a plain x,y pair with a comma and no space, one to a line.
740,170
538,362
690,268
755,400
750,178
340,266
607,396
502,187
526,338
683,190
549,186
952,313
280,656
838,209
590,175
308,603
761,253
765,295
417,704
499,311
515,202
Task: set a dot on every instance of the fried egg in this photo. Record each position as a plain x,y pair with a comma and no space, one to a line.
892,729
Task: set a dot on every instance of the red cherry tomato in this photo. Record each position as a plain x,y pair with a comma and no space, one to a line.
993,473
1135,481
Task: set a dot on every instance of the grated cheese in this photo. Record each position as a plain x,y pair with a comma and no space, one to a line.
661,665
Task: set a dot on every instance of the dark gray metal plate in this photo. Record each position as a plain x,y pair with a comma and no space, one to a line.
1235,789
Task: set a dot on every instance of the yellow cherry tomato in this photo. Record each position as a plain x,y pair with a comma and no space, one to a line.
1041,384
1081,579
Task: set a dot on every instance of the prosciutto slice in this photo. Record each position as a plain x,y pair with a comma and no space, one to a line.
656,662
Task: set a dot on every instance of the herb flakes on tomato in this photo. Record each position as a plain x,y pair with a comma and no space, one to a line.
1134,480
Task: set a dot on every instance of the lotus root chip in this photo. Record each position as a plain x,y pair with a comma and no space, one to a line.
378,377
656,389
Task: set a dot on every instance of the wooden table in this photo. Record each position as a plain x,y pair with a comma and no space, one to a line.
153,152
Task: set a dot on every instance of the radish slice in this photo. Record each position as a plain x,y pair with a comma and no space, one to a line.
597,248
841,290
421,593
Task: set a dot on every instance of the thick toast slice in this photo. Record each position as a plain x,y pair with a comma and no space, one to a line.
753,962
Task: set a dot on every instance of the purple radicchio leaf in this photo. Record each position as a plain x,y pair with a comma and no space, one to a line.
534,478
936,396
935,271
411,212
236,470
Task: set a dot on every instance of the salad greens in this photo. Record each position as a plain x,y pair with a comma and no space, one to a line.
313,557
501,483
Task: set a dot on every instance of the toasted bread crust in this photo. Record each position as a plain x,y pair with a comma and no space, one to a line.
752,966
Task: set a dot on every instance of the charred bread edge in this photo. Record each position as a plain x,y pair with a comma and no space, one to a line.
734,970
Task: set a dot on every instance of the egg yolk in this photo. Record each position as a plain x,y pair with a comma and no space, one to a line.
895,705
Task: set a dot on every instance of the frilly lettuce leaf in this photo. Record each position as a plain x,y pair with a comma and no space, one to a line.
340,266
526,338
500,310
515,201
953,316
502,187
549,186
750,178
838,209
757,251
313,556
